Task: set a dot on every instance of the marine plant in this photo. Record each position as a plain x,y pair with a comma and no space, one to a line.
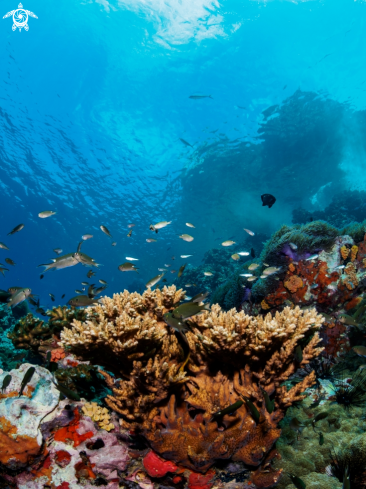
187,406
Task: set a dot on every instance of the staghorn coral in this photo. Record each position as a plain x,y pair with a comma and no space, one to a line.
293,283
99,415
345,252
174,408
351,281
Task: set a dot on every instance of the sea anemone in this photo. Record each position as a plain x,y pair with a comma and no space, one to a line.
351,394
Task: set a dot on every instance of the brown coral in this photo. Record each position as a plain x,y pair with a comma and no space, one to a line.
293,283
292,267
264,305
345,252
354,251
351,280
175,409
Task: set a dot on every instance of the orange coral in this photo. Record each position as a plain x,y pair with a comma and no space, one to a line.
292,267
57,354
351,281
354,251
293,283
345,252
16,448
264,305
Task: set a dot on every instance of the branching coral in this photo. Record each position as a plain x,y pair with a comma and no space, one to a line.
232,357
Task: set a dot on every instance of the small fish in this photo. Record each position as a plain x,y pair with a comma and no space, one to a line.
105,231
246,275
4,247
131,225
321,439
346,319
249,231
68,392
150,240
268,200
243,253
172,271
52,297
16,229
199,97
293,246
63,295
114,243
235,256
186,143
19,357
190,225
10,261
271,270
90,274
18,297
87,236
312,257
252,252
129,233
269,404
65,261
327,317
159,225
6,381
41,311
346,480
154,280
58,251
175,323
253,410
101,281
265,264
253,266
208,274
82,301
77,291
251,279
185,256
263,276
200,297
131,259
181,270
188,309
229,242
297,482
162,269
295,424
319,417
298,354
186,237
45,214
27,378
228,410
84,283
127,267
316,403
360,350
340,267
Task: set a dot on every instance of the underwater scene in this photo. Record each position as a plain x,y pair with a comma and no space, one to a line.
183,244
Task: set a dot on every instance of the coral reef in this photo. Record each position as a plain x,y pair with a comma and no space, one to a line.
98,414
173,408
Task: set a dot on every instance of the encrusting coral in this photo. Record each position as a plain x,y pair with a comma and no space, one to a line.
174,399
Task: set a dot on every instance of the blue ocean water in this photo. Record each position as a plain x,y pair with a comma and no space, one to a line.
94,105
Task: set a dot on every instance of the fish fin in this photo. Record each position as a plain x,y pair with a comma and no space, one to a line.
48,266
79,246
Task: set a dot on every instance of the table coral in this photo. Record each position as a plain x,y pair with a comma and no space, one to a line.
174,408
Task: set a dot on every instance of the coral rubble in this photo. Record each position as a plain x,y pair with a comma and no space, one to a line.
232,357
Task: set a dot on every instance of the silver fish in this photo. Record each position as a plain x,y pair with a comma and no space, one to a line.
16,229
61,262
127,267
4,247
154,280
45,214
105,231
18,297
58,251
82,301
86,236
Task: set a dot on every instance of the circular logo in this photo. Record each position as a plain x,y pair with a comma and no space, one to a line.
20,18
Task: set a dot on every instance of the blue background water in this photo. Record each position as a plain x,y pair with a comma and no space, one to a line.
94,101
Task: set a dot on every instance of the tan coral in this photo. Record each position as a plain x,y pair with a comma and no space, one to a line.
354,251
345,252
99,415
351,280
293,283
174,405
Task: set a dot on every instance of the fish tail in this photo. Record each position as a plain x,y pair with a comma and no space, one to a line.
210,97
47,265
